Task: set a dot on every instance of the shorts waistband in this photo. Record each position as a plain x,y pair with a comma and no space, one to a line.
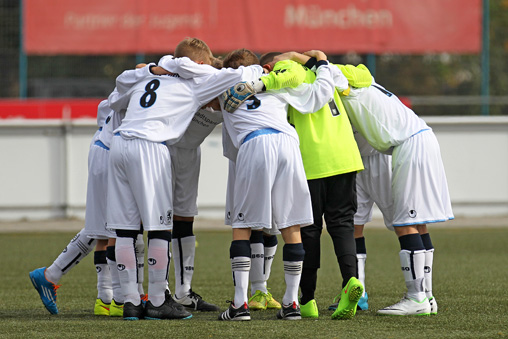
100,144
162,142
259,132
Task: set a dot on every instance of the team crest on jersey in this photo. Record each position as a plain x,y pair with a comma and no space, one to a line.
241,217
412,213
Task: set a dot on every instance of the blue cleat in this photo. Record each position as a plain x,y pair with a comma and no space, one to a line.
363,303
45,288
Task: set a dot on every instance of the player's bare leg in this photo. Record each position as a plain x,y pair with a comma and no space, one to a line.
184,252
412,260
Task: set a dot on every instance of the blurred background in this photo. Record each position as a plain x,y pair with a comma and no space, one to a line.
447,60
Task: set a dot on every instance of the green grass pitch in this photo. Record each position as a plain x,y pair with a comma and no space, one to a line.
470,286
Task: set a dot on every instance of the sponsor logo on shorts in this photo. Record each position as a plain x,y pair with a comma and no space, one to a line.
169,216
241,217
120,267
151,261
412,213
427,269
228,215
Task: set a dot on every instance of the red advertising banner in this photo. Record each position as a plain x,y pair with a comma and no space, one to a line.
156,26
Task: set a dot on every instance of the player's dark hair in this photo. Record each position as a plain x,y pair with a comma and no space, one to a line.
268,57
240,57
195,49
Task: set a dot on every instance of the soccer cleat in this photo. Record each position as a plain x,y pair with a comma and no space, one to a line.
116,309
271,303
309,310
433,305
258,301
101,308
349,297
407,306
133,312
169,309
241,313
194,301
45,288
363,304
289,312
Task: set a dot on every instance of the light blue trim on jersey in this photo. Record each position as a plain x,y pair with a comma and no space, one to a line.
423,222
259,132
420,131
100,144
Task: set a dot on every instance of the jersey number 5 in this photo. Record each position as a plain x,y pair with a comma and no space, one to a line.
148,98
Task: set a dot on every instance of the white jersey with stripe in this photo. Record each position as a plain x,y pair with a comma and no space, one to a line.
381,117
160,108
269,110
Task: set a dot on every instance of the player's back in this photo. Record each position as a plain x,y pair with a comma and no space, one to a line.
159,108
381,117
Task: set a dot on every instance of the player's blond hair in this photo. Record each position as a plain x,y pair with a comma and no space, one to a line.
240,57
195,49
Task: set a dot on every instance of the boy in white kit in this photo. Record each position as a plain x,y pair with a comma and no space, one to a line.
159,110
270,190
418,186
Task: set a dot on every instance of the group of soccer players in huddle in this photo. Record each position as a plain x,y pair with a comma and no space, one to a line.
306,140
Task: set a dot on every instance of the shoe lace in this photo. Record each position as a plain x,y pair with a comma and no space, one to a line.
194,295
55,287
144,297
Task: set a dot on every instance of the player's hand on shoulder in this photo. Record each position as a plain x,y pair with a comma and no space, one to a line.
237,95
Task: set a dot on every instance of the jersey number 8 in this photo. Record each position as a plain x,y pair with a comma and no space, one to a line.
148,98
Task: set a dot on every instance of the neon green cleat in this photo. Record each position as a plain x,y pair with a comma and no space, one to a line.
101,308
309,310
271,303
349,298
258,301
116,309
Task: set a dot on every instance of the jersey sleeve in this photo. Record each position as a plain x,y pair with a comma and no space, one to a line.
185,67
286,73
119,98
309,98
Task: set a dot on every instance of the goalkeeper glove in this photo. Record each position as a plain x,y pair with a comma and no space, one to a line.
237,95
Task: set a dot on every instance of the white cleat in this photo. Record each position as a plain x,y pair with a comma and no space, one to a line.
433,305
407,306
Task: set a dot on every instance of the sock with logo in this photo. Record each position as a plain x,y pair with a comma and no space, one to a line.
184,251
429,259
361,256
126,264
140,259
270,250
78,248
115,278
159,256
292,256
257,267
412,261
104,288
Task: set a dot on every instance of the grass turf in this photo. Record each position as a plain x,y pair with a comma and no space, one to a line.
470,284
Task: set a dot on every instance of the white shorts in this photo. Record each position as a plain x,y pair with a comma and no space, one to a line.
139,185
97,193
374,185
185,164
419,187
270,184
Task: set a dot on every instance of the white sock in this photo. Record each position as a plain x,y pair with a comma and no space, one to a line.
362,258
115,278
184,251
269,255
257,267
240,266
292,275
429,259
159,258
140,258
78,248
412,263
127,270
104,288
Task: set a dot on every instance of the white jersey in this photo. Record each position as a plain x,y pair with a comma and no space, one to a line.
269,110
161,107
366,150
102,112
381,117
201,125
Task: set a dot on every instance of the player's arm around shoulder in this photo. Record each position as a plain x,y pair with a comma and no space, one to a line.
119,98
